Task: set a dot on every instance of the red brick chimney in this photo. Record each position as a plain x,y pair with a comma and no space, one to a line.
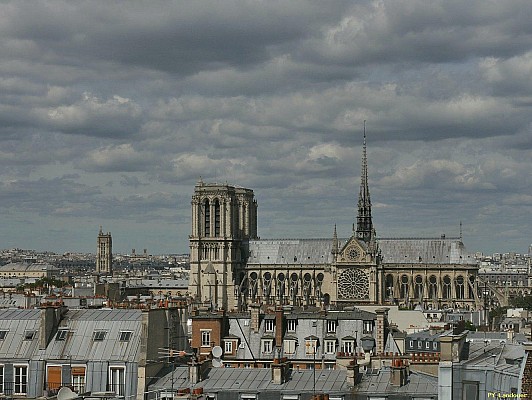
279,326
382,320
526,381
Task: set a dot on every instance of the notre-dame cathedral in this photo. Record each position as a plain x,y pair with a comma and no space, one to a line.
230,267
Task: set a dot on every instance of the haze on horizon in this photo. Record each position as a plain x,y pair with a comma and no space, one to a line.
111,111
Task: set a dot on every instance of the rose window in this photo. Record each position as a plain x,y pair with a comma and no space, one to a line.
353,284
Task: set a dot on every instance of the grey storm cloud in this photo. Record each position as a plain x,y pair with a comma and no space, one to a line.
113,110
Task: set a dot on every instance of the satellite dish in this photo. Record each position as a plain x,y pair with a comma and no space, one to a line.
66,394
217,363
217,351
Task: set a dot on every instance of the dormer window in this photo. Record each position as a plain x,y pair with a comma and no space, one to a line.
125,336
61,334
291,325
3,335
29,335
267,346
311,345
331,326
269,325
99,336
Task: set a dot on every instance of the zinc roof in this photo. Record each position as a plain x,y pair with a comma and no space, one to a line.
428,251
79,344
379,383
17,322
254,380
393,250
290,251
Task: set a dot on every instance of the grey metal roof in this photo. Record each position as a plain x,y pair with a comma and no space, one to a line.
429,251
254,380
80,345
379,383
290,251
393,250
16,322
23,267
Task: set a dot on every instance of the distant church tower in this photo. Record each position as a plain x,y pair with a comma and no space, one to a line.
104,253
224,219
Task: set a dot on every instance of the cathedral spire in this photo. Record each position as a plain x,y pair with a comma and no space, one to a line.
364,229
335,242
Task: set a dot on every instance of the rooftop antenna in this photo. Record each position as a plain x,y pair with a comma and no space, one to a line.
460,230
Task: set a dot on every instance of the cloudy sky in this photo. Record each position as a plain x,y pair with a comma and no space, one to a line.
111,111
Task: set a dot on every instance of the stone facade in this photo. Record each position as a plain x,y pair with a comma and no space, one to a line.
231,268
104,253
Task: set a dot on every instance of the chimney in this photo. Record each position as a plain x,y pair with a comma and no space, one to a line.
526,380
510,334
398,373
451,346
353,373
255,312
382,320
50,318
196,369
280,370
278,326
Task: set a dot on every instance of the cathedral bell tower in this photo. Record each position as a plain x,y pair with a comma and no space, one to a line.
224,218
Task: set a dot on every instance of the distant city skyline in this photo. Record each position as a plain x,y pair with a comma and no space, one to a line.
109,114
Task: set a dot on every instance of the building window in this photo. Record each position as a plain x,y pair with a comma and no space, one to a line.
427,345
1,379
78,379
331,326
125,336
29,335
205,338
228,345
368,327
269,325
289,346
61,334
207,221
435,345
291,325
348,346
117,380
3,335
311,346
267,346
99,336
330,346
53,378
419,344
411,344
216,218
21,379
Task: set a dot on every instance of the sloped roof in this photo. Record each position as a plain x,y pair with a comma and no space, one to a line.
24,266
80,343
254,380
428,251
394,251
17,322
379,383
290,251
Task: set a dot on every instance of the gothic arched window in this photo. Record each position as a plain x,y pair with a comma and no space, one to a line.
207,220
216,217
